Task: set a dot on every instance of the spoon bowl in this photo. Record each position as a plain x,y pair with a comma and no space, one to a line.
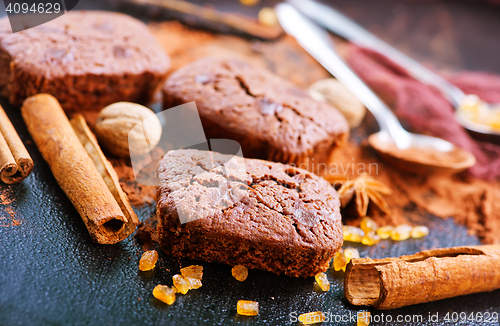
477,130
426,154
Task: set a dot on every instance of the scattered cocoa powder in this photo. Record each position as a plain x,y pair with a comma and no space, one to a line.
146,234
6,200
472,202
5,197
137,194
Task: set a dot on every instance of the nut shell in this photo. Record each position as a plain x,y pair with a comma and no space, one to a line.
334,93
115,130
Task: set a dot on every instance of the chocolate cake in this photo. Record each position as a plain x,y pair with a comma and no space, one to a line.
269,216
86,59
270,118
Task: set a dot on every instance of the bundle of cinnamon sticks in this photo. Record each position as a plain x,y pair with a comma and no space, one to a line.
15,161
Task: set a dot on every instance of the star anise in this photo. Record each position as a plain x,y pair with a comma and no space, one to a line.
365,188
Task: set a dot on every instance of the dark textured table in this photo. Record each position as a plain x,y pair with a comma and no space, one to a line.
51,273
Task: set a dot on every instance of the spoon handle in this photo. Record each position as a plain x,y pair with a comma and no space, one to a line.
339,24
317,42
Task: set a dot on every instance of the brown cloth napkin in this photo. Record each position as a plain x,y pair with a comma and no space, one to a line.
424,110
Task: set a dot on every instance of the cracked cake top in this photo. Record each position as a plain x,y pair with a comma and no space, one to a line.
260,110
249,198
85,42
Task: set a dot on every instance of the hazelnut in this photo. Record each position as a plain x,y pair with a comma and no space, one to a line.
331,91
116,133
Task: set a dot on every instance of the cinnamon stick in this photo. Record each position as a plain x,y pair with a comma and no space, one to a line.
74,170
427,276
105,169
15,161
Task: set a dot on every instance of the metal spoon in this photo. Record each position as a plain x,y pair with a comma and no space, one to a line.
341,25
317,42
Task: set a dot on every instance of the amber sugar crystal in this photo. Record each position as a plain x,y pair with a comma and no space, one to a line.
312,318
339,261
363,318
164,294
239,272
194,283
419,232
148,260
181,284
193,271
343,257
322,281
352,233
267,17
368,225
371,238
401,232
249,2
350,253
247,308
385,232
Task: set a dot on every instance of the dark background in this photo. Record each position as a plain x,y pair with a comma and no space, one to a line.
51,273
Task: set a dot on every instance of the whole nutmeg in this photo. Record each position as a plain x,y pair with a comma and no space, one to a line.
117,132
334,93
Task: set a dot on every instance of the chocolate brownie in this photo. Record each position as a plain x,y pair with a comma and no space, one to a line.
86,59
268,216
270,118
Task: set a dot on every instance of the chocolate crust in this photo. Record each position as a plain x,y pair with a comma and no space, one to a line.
86,59
268,116
288,222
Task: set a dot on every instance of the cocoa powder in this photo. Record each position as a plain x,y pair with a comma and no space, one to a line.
146,234
138,194
472,202
6,200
